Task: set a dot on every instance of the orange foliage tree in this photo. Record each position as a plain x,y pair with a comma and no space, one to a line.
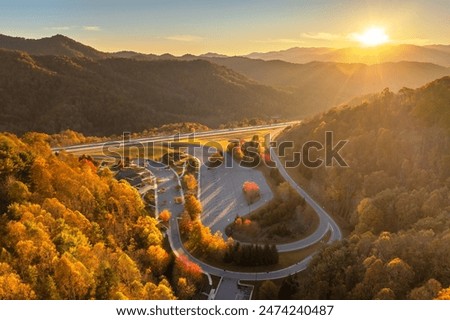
165,215
251,191
193,206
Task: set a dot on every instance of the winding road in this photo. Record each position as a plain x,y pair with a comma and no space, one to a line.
326,224
168,186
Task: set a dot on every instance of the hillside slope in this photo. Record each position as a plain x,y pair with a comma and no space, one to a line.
318,86
57,45
393,198
109,96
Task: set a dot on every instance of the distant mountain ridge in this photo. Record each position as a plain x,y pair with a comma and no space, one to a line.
61,45
56,83
317,86
436,54
292,75
108,96
57,45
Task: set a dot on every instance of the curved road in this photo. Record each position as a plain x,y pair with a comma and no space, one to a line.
326,223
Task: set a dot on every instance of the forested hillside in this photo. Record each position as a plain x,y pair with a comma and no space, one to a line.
108,96
393,197
69,232
319,86
57,45
316,86
60,84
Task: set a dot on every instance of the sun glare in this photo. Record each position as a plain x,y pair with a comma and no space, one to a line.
372,37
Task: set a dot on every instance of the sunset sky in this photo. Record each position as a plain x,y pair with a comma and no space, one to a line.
229,27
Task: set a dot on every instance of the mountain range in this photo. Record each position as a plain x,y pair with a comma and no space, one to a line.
57,83
437,54
62,45
109,96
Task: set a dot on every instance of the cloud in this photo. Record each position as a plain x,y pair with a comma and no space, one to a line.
61,28
322,36
91,28
282,40
184,38
416,41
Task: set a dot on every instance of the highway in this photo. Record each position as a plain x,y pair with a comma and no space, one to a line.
171,138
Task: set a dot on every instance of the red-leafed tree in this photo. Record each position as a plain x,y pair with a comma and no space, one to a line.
187,277
251,191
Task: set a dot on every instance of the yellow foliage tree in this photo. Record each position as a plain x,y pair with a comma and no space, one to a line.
127,270
185,290
159,260
74,280
444,294
193,207
190,182
162,291
12,287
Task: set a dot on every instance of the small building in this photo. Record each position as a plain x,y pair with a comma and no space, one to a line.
135,176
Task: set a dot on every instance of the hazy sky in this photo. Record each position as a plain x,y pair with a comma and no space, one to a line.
228,26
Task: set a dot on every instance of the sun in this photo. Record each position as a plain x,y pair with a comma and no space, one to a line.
372,37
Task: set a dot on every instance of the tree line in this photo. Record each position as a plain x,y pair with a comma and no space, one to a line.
200,240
